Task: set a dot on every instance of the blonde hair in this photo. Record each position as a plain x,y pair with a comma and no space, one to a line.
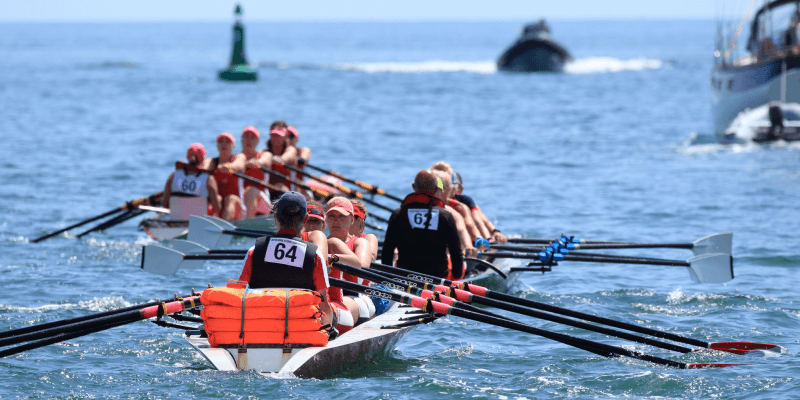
442,166
358,204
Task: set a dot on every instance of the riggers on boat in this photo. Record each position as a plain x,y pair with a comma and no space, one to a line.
364,343
165,228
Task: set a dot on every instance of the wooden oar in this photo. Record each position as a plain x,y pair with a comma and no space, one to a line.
365,186
324,194
718,243
444,309
69,331
708,268
732,347
345,190
149,200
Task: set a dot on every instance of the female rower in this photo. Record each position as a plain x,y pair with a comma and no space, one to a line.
316,217
357,229
222,168
300,156
339,217
273,157
256,201
190,189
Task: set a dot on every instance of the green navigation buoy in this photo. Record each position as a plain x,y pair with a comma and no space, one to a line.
238,70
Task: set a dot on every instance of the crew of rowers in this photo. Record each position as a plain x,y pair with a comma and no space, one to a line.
432,232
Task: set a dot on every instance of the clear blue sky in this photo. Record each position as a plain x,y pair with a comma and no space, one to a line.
264,10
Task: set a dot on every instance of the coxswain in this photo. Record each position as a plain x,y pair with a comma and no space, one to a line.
486,227
287,260
256,200
339,217
190,189
357,229
423,232
222,168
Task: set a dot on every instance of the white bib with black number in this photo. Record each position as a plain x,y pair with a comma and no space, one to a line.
286,251
418,216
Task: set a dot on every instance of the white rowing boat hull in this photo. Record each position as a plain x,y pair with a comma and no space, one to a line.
353,349
166,229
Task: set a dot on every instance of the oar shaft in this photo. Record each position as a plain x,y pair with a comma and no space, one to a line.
481,291
114,221
149,200
462,296
365,186
599,244
343,189
441,308
56,339
228,256
258,182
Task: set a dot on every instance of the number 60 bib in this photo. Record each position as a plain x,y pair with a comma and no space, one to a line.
286,251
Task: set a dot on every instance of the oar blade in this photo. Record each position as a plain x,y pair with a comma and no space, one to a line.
711,268
207,233
160,260
218,221
187,247
721,243
745,347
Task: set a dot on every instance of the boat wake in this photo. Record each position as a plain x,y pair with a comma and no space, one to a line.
596,65
706,144
97,305
602,65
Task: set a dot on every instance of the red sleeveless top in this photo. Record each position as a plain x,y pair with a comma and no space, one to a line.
255,173
227,183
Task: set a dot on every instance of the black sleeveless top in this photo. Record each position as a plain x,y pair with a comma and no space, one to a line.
283,261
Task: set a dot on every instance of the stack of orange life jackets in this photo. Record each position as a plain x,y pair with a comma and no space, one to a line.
268,319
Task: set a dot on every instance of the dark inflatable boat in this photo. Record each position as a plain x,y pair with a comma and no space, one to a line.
534,51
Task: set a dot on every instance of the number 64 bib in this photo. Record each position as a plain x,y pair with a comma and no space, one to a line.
286,251
418,216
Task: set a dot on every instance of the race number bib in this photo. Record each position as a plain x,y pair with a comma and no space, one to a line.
189,184
286,252
417,218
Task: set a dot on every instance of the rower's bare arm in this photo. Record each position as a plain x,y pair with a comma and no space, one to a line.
304,153
167,191
474,233
373,246
238,162
363,252
213,194
319,239
476,216
338,247
494,233
466,243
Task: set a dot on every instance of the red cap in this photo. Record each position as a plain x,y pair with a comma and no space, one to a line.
252,129
316,212
279,132
226,135
357,212
293,131
339,204
198,151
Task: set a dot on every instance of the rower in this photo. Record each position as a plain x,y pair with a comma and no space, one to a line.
190,189
466,235
423,231
287,260
469,224
357,229
222,168
316,217
276,146
339,217
486,227
256,201
300,158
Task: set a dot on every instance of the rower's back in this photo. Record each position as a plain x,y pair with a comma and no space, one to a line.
283,260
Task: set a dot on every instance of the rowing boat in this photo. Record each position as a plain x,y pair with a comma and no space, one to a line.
162,228
364,343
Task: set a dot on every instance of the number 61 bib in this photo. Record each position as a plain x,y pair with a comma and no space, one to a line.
418,216
285,251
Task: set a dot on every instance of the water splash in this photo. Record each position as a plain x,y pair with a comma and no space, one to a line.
478,67
602,65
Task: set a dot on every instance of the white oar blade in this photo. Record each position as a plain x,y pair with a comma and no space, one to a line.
711,268
721,243
206,233
219,222
160,260
187,247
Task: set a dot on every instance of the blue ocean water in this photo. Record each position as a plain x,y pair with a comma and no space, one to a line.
617,148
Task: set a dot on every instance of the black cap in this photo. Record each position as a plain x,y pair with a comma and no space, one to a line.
291,204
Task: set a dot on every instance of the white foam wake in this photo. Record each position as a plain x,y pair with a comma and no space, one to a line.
477,67
601,65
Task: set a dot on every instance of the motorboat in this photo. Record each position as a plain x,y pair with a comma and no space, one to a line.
534,51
